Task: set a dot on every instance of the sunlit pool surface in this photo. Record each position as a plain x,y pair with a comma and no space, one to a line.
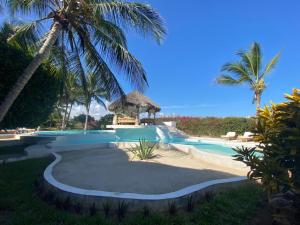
78,137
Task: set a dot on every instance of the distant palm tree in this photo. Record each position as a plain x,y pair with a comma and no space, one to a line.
92,28
68,97
91,90
249,70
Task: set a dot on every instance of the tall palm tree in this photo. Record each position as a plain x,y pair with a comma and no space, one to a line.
91,90
249,70
93,28
68,97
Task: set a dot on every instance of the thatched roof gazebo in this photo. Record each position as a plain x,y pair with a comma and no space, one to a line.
128,109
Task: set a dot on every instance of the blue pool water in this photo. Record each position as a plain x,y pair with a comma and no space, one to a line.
76,137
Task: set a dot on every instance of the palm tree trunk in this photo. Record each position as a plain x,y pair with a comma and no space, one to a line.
64,120
69,113
258,99
29,71
86,118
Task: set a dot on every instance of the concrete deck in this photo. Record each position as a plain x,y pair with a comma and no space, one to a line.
112,170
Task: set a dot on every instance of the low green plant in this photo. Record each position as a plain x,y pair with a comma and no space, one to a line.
190,203
78,208
172,208
93,209
146,211
106,209
144,150
67,204
122,210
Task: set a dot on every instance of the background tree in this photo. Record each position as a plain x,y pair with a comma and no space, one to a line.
81,120
91,89
106,120
249,70
36,101
68,97
91,28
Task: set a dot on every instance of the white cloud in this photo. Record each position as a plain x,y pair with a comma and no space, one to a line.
96,110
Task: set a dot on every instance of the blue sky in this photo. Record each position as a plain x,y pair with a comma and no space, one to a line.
202,36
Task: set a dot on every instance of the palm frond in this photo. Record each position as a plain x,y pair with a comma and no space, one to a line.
27,36
40,7
140,17
225,79
246,60
106,29
271,65
256,57
97,65
237,69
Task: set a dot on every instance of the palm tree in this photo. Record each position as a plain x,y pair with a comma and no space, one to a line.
91,90
249,70
92,28
69,96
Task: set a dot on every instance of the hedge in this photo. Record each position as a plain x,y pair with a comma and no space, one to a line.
212,126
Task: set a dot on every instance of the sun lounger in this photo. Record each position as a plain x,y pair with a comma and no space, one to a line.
248,136
229,136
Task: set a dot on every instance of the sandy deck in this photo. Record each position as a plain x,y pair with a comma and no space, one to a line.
114,171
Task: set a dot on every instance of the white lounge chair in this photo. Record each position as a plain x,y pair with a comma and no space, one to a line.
229,136
248,136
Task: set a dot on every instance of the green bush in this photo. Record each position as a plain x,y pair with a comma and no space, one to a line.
212,126
35,103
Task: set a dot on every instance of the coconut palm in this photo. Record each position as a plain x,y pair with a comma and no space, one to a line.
68,97
92,28
249,70
91,89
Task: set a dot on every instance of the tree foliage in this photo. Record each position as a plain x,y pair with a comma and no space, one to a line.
249,70
36,101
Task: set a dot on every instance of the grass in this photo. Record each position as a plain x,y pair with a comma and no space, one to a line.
6,151
20,204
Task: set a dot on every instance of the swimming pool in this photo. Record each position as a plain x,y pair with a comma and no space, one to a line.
151,133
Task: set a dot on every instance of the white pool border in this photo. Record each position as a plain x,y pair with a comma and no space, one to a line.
131,196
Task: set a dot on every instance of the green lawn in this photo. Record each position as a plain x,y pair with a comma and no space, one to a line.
19,204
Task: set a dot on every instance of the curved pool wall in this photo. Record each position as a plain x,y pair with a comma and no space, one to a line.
155,202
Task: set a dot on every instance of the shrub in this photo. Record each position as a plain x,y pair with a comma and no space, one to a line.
212,126
278,133
144,150
279,138
36,101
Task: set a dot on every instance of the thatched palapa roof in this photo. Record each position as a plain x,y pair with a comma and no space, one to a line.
134,100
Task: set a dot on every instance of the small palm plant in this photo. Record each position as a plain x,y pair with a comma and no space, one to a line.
144,150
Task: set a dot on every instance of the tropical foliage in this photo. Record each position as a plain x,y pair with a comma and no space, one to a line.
212,126
278,168
144,150
35,103
106,120
83,29
91,89
249,70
